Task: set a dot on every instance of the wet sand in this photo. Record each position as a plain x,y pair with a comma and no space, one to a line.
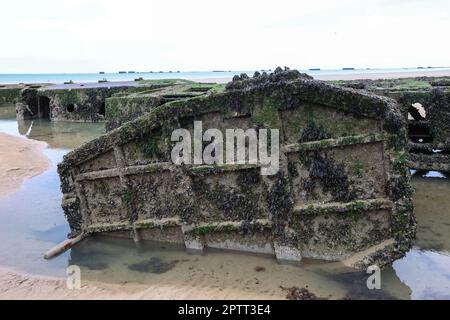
359,76
19,159
19,286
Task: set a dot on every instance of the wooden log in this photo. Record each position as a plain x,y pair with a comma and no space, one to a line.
62,247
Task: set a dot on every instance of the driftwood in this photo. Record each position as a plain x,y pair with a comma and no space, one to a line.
62,247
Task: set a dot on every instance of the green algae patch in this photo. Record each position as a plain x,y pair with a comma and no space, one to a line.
149,145
390,84
266,115
10,95
203,230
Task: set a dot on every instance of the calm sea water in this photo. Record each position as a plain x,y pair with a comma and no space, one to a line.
32,221
195,75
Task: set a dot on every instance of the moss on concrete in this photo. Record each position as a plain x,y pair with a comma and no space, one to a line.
10,95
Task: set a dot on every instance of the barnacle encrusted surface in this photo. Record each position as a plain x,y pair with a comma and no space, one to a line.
342,187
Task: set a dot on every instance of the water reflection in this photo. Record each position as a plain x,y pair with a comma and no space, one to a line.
60,135
426,268
121,261
7,111
31,219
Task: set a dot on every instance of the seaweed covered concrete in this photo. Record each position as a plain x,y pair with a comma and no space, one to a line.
10,93
114,103
425,103
124,107
13,93
61,103
342,189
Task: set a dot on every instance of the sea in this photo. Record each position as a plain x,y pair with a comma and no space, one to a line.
58,78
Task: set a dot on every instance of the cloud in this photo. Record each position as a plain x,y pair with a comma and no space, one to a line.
92,35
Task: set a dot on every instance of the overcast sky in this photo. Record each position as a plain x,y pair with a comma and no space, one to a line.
110,35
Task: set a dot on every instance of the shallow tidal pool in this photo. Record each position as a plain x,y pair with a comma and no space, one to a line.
32,221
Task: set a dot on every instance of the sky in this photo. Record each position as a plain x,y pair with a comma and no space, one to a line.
51,36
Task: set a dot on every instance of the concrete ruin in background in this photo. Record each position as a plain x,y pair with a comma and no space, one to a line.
124,107
342,191
425,103
66,102
88,102
10,93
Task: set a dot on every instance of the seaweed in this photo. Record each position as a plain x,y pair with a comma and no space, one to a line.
278,197
295,293
148,145
314,132
332,177
154,265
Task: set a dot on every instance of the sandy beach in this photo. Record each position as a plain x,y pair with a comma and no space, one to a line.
19,159
359,76
19,286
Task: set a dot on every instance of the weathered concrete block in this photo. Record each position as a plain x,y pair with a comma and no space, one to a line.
192,240
425,104
287,253
342,186
10,94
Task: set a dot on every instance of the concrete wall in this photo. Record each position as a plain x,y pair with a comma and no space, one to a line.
343,186
429,129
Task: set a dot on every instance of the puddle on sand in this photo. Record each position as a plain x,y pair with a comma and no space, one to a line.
59,135
426,268
32,221
7,112
120,261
